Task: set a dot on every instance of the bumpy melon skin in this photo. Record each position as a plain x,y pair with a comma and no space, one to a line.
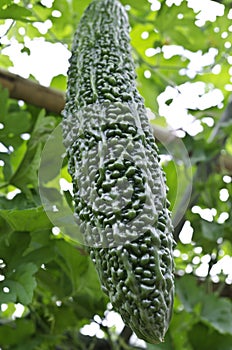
119,187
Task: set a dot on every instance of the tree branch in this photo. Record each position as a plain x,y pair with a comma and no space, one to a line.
32,93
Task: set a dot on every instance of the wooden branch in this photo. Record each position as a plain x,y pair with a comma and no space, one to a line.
32,93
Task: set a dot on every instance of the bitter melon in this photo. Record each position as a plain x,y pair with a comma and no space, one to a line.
119,187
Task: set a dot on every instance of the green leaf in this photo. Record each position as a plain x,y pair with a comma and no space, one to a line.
7,314
54,280
59,82
211,230
26,50
42,12
40,239
5,229
77,8
7,168
5,61
21,284
65,318
210,309
138,5
216,312
179,30
31,219
148,90
15,12
190,295
22,261
16,332
26,173
204,338
20,202
4,3
218,80
73,263
181,323
40,256
90,293
16,157
11,251
64,272
16,123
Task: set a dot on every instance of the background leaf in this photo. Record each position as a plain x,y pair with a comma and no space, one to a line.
15,12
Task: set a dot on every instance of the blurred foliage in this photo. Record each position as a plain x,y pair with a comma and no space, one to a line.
48,286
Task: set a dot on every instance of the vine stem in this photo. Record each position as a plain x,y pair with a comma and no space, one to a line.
8,29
